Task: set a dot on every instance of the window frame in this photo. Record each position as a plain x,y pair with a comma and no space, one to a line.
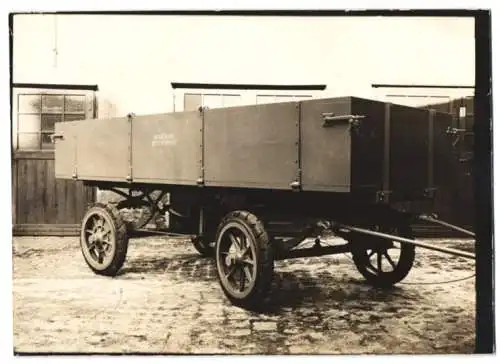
89,111
398,93
248,96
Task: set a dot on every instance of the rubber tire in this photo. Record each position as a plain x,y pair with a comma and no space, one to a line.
264,258
404,266
121,238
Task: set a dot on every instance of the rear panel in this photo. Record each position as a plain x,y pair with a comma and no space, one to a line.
325,152
409,152
252,146
167,148
367,161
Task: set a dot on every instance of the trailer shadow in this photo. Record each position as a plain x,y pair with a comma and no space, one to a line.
290,290
190,265
298,290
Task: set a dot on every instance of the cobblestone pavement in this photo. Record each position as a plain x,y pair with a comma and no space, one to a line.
167,300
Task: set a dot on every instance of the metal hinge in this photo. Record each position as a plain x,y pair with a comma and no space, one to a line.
295,185
430,192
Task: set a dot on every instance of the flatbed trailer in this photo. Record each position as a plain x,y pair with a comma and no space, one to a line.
248,184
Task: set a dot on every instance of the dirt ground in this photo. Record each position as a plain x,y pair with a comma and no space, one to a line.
167,300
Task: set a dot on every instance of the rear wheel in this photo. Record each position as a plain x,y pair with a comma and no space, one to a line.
104,239
244,259
382,262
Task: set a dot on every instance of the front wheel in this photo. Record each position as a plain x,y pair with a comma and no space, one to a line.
104,239
382,262
244,259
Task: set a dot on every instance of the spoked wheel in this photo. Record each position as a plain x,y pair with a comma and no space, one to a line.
382,262
103,239
244,259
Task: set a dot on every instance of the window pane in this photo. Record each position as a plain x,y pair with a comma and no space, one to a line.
29,104
192,102
29,141
71,117
52,103
74,103
231,100
301,97
46,141
29,123
212,101
49,120
270,99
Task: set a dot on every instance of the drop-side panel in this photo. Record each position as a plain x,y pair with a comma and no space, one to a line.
325,150
252,146
65,149
103,149
167,148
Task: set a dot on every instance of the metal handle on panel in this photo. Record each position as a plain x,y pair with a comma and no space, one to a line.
54,137
331,119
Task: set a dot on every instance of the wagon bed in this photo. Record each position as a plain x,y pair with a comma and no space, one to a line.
343,145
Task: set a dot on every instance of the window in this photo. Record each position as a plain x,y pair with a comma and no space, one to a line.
192,101
190,96
268,99
416,100
37,114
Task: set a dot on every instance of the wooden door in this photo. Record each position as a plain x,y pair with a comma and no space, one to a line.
42,204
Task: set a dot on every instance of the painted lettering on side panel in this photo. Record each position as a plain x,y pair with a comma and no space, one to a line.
163,140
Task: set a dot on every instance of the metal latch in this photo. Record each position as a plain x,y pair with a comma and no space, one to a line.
455,132
330,119
55,136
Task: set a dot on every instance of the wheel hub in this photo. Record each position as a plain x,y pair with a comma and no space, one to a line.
234,258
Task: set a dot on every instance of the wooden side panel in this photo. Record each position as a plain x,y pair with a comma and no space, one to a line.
252,146
167,148
103,149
